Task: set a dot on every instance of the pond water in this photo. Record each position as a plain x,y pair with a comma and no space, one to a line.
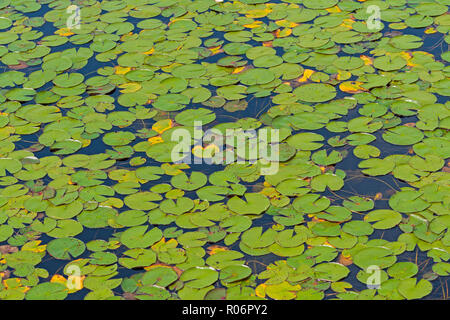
93,205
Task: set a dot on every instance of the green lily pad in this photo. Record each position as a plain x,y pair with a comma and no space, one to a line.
315,92
384,219
47,291
254,203
377,256
411,289
199,277
138,237
195,181
65,248
403,135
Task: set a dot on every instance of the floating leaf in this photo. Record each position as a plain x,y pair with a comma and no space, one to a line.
403,135
384,219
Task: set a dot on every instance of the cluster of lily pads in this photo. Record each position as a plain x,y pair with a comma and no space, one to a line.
88,183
